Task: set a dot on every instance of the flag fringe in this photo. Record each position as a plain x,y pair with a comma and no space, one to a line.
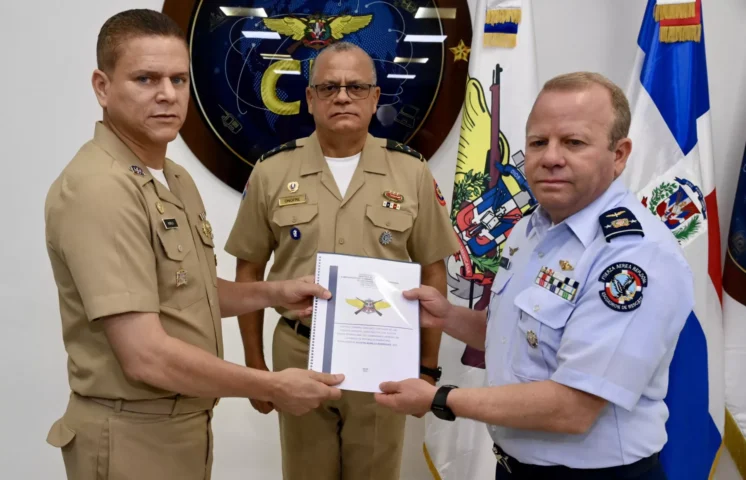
735,441
505,40
430,464
676,11
504,15
685,33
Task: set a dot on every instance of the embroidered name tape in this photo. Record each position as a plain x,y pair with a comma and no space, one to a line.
292,200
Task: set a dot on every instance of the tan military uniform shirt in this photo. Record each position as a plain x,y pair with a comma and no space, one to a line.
120,241
392,209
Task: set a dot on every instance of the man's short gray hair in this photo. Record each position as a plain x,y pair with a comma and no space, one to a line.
342,47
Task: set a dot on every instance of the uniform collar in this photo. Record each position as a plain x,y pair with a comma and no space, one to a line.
315,162
584,224
122,154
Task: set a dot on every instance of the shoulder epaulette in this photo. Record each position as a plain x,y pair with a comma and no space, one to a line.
400,147
281,148
619,221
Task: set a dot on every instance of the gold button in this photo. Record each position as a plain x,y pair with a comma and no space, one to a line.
295,219
536,308
388,224
341,241
180,248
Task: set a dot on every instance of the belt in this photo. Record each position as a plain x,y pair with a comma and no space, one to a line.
161,406
298,327
526,470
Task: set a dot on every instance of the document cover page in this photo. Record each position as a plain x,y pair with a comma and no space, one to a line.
368,331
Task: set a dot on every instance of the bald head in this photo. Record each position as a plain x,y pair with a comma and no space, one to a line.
342,47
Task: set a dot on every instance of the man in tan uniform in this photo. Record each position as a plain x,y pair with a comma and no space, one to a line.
339,190
141,304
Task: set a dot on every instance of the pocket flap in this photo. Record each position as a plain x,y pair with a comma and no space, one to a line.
294,215
60,435
389,219
206,239
175,248
501,281
545,306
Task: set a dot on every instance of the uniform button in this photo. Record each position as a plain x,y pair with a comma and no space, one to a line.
341,241
180,248
388,224
541,254
295,219
536,308
504,340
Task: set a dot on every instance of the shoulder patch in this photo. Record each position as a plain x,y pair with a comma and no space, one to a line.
623,283
619,221
280,148
400,147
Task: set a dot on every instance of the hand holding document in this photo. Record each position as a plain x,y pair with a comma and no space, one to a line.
367,331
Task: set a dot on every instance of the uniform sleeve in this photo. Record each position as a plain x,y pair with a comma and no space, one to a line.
105,243
614,345
432,237
251,237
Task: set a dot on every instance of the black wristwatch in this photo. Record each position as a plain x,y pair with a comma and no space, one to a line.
434,373
439,407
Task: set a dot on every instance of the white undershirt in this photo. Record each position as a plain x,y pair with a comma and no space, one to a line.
342,170
158,175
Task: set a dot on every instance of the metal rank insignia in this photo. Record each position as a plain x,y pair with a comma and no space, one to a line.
181,278
137,170
159,207
393,196
385,238
566,287
293,187
511,251
565,265
206,227
532,339
392,205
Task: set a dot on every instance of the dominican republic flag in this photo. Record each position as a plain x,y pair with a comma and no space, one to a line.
671,169
490,195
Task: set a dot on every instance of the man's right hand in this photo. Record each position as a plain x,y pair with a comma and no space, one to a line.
434,308
299,391
260,405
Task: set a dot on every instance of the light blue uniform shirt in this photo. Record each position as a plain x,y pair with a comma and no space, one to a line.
607,324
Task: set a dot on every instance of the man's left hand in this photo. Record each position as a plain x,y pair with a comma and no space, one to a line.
410,397
298,294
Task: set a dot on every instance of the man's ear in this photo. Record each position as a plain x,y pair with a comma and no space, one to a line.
309,99
101,83
621,155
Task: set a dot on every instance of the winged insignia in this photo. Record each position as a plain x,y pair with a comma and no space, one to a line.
616,214
317,31
622,289
368,306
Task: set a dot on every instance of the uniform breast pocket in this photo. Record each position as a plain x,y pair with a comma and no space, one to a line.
205,235
179,284
386,233
538,333
296,230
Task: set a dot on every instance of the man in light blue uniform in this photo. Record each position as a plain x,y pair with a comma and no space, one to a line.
585,315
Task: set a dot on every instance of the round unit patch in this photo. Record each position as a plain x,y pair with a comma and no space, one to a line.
623,284
441,198
295,233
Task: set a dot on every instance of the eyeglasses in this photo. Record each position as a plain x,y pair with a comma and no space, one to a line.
357,91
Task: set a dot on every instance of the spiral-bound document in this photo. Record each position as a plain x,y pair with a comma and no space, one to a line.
368,331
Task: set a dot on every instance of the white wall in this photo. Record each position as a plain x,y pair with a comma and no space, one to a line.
48,53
